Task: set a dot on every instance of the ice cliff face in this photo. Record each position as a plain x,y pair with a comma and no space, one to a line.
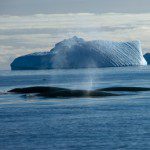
78,53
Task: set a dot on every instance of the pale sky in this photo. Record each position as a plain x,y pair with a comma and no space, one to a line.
28,7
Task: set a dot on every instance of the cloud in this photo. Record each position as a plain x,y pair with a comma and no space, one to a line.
26,34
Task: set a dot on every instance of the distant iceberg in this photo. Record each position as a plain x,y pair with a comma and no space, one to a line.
78,53
147,58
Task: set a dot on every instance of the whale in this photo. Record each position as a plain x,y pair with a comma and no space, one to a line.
54,92
125,89
57,92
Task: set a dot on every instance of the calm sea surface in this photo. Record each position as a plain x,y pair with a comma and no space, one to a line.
121,122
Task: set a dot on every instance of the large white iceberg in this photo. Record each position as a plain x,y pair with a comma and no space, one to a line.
78,53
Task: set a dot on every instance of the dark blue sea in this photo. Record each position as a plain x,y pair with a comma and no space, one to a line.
118,122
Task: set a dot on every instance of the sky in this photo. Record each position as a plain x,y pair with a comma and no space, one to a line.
28,26
28,7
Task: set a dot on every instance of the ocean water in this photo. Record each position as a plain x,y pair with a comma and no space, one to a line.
121,122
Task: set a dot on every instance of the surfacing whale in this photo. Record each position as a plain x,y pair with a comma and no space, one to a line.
125,89
57,92
54,92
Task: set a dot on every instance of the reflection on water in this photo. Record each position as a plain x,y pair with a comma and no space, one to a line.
76,123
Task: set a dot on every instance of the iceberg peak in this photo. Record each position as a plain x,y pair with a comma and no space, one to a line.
70,42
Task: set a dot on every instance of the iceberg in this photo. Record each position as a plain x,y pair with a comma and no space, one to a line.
147,58
78,53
